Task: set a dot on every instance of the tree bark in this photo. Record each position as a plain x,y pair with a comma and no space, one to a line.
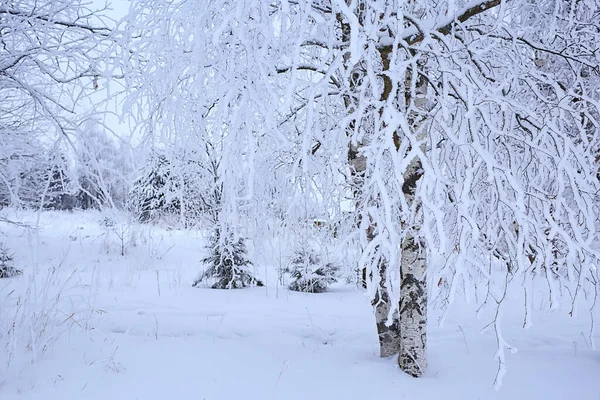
412,358
388,335
410,324
405,332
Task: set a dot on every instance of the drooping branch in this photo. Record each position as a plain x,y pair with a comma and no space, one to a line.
65,24
301,67
418,31
544,49
311,68
469,12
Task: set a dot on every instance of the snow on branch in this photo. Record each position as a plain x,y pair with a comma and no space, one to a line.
444,25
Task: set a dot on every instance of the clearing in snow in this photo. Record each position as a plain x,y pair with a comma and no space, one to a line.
108,326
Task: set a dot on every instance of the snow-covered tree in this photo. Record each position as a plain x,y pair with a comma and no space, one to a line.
467,132
7,270
48,66
46,184
178,183
102,168
151,193
20,150
32,176
228,266
48,62
308,271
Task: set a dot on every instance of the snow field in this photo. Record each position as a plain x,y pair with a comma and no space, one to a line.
131,327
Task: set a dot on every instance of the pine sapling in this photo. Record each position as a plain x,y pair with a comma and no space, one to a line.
309,274
228,264
6,261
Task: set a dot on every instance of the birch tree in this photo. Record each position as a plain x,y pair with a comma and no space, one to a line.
467,132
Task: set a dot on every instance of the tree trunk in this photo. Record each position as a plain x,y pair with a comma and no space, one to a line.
405,334
412,358
389,335
412,308
413,287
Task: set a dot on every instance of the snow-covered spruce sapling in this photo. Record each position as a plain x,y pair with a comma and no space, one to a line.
309,274
6,259
150,193
228,264
171,185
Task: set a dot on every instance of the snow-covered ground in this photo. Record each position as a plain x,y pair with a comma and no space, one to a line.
103,325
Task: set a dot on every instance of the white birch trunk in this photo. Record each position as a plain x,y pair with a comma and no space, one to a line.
389,335
412,358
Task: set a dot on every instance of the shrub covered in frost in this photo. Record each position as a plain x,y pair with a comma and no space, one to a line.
173,185
6,260
309,274
228,264
153,193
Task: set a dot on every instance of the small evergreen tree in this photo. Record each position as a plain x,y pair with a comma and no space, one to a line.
88,197
44,179
309,273
58,196
30,172
228,264
6,260
169,186
151,194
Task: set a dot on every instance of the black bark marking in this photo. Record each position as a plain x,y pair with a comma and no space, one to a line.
410,182
416,294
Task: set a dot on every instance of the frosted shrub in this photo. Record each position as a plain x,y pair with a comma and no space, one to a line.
151,193
169,186
309,273
228,264
6,259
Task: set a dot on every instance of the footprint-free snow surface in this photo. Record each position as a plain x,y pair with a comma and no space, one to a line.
102,325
